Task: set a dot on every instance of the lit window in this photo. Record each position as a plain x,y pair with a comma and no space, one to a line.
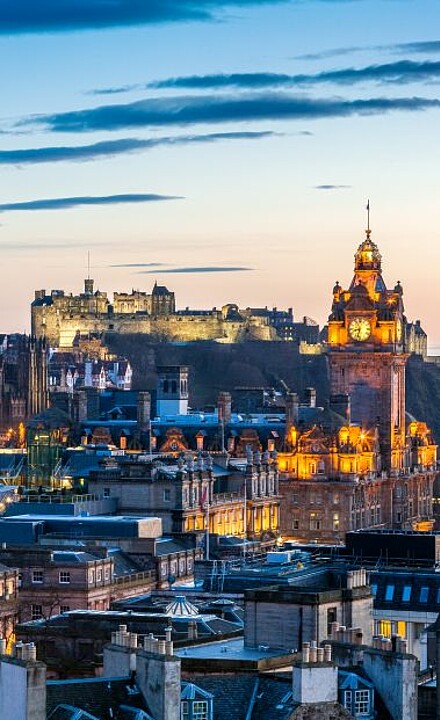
438,596
401,628
424,592
36,612
384,628
362,702
37,576
64,577
406,593
374,589
389,593
335,521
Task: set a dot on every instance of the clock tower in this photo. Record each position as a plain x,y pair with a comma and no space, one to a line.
366,352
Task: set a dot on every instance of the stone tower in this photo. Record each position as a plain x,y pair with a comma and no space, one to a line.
366,352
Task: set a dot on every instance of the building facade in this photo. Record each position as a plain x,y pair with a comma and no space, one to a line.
372,465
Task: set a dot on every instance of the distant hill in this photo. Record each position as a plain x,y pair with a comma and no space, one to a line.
215,367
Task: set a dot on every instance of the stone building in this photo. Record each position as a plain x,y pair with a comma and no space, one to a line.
60,318
372,465
184,493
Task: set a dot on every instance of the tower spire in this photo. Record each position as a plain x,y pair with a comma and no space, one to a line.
368,231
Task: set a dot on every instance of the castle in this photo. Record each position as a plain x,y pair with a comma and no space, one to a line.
60,318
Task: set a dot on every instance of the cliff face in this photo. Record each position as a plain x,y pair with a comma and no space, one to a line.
423,393
215,367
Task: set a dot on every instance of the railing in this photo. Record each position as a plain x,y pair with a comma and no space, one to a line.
90,497
135,579
222,498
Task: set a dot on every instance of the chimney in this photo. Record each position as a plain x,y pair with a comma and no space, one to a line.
292,405
315,678
143,411
22,685
158,678
224,407
40,294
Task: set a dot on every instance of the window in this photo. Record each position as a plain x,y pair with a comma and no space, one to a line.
167,495
348,699
384,628
406,593
107,573
99,575
36,612
424,592
91,576
106,492
200,710
315,521
335,521
401,628
361,702
37,576
295,524
374,589
64,577
184,711
438,596
389,593
64,609
332,616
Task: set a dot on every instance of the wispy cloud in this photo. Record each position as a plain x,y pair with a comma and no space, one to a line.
32,16
71,202
110,148
402,71
138,265
190,270
184,110
332,187
422,47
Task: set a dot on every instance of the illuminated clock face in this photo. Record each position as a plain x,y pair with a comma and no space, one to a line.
399,330
359,329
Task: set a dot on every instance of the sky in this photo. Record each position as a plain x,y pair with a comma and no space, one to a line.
224,148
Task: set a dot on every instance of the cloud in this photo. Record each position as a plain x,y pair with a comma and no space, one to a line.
137,265
208,269
184,110
417,47
34,16
71,202
402,71
332,187
110,148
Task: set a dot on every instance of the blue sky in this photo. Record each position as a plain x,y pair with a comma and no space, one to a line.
199,135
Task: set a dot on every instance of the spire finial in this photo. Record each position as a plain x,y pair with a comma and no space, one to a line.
368,231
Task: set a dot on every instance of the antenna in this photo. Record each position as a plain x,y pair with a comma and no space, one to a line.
88,264
368,231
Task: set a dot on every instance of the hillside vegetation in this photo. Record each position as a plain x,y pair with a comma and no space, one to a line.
215,367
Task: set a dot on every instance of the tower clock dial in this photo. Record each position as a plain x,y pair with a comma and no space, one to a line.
359,329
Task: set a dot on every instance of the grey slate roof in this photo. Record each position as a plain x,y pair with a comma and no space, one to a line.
95,696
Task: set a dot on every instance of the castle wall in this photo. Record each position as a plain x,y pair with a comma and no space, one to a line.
60,328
